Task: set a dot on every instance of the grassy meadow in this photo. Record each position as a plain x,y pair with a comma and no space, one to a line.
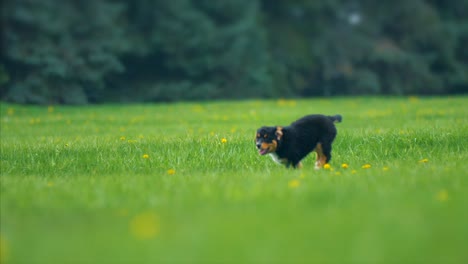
183,182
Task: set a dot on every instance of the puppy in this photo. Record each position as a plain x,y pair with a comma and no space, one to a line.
290,144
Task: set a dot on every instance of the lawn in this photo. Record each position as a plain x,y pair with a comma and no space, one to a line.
183,182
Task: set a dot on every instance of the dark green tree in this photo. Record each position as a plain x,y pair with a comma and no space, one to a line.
370,47
187,49
76,52
61,52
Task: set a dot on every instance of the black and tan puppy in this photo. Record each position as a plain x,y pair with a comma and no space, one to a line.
290,144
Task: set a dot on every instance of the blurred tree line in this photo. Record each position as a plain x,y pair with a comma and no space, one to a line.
76,52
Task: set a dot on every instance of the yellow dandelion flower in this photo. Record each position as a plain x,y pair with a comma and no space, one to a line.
366,166
281,102
3,250
442,195
198,108
223,140
122,138
423,161
413,99
385,168
145,156
284,102
293,184
171,171
327,166
145,226
344,166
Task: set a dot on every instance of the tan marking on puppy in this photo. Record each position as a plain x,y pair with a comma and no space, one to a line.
279,132
271,147
299,165
320,157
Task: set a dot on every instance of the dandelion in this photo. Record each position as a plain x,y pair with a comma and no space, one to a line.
413,99
145,226
10,111
3,250
344,166
198,108
423,161
281,102
442,195
293,184
122,138
366,166
327,166
385,168
145,156
223,140
284,102
171,171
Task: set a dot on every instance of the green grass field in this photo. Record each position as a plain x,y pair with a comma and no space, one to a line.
183,182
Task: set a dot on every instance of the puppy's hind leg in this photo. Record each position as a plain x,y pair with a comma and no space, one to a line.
327,148
321,158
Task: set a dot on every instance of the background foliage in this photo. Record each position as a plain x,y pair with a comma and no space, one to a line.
80,52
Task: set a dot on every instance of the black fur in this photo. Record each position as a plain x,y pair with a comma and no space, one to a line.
292,143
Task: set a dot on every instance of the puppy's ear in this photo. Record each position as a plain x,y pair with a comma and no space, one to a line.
279,133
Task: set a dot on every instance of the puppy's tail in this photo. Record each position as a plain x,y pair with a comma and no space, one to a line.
336,118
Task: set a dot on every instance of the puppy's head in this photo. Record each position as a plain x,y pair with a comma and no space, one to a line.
268,139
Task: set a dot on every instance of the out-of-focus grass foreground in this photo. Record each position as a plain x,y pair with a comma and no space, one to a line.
183,182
